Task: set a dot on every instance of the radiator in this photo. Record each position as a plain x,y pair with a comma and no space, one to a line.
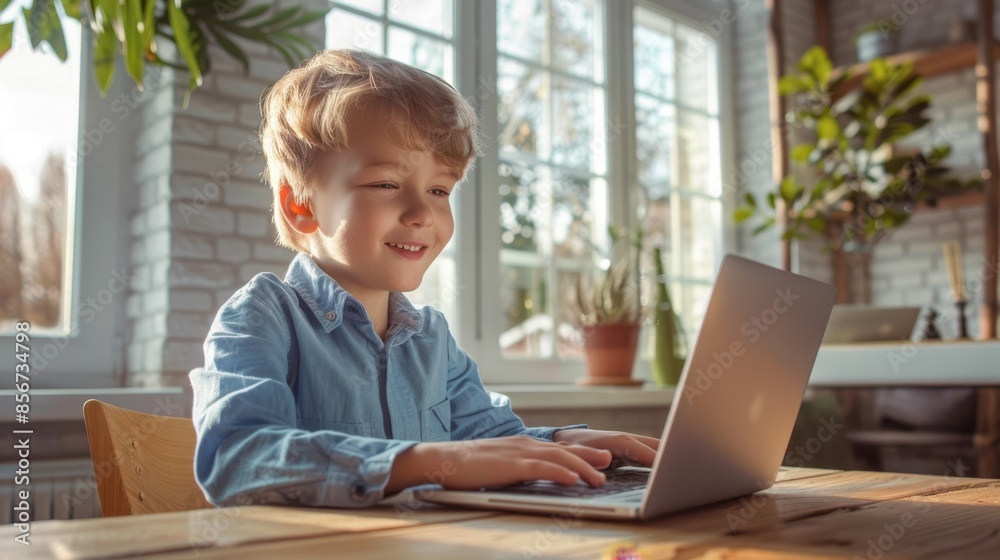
59,489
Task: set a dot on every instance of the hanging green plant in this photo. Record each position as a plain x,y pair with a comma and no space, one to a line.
136,29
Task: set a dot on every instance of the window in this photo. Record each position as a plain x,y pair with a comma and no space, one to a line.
60,141
421,34
678,153
574,143
39,107
553,174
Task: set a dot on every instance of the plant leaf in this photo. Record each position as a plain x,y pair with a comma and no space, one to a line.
742,214
750,200
789,190
764,226
134,45
801,152
229,46
43,25
105,51
253,12
816,63
70,7
6,37
182,33
793,83
827,127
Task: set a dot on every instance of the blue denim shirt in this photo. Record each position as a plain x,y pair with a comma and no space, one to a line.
300,402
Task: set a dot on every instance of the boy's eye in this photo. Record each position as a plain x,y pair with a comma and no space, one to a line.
385,185
442,191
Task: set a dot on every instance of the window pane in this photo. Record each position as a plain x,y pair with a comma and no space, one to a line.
521,28
693,303
39,109
522,92
698,163
572,227
527,326
697,71
656,230
655,134
434,16
654,59
569,342
346,30
577,46
701,227
579,112
422,52
371,6
524,202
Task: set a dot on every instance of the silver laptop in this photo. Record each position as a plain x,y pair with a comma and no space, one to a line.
865,323
732,414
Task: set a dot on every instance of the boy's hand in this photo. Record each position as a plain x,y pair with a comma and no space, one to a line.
636,449
475,464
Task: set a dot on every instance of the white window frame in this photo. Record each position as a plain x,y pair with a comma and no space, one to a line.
479,239
93,354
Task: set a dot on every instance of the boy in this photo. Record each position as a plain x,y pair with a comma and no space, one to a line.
329,388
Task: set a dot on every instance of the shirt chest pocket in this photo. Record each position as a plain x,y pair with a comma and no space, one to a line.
435,422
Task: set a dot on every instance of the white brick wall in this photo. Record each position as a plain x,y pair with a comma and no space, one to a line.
907,266
202,227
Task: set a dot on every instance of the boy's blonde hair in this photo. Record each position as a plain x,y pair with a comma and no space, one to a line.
305,115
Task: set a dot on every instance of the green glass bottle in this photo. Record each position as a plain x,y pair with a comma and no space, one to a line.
668,358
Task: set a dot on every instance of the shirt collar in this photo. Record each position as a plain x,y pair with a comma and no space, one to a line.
330,302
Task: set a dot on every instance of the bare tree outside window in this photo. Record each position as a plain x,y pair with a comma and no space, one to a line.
45,243
11,304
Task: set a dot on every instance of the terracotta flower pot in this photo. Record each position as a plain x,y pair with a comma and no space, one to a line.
610,352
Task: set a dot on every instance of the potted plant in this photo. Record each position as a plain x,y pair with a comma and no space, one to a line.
605,305
861,185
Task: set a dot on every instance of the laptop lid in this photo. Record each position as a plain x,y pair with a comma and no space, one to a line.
865,323
741,387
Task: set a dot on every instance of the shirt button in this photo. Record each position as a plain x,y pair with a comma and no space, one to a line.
358,492
330,315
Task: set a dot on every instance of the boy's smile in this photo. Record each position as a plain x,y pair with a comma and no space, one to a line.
379,214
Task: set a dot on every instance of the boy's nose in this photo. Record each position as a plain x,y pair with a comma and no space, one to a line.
417,212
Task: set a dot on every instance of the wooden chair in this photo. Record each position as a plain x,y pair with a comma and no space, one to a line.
143,463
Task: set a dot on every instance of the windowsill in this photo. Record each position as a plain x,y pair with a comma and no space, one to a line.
550,397
53,405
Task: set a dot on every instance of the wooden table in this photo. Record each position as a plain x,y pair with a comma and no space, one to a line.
809,513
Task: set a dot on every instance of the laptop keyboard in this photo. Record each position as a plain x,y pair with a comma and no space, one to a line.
616,482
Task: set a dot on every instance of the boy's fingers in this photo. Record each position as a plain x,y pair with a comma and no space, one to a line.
540,469
573,461
648,441
638,452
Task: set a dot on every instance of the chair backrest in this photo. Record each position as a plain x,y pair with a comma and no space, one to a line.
143,463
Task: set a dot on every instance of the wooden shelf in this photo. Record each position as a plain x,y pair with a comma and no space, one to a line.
926,63
954,201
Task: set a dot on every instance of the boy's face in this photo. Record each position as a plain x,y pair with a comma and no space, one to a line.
375,195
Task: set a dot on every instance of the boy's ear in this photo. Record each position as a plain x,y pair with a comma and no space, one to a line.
298,216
